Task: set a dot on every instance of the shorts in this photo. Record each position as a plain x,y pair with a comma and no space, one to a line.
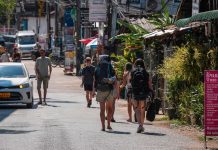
103,96
88,87
128,93
43,80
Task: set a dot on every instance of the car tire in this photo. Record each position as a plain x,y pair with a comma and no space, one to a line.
30,105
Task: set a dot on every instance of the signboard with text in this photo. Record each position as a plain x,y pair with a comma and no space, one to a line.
97,11
211,102
195,7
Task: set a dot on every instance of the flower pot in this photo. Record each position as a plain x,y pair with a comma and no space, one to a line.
171,112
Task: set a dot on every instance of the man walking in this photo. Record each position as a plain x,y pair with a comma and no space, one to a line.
5,56
88,80
43,71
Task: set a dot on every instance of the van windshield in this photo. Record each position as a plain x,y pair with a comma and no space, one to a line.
27,40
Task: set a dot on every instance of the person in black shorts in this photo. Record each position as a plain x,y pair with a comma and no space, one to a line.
88,80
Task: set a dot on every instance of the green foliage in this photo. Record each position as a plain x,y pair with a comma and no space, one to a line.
7,8
184,74
119,66
133,41
162,19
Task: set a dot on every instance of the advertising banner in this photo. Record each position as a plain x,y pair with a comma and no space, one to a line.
97,11
211,102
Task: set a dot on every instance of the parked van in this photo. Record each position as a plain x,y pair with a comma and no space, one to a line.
26,42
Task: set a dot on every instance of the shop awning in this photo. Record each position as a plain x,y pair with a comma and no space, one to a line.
86,41
204,16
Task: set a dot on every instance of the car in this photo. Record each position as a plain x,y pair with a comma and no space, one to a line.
10,42
16,85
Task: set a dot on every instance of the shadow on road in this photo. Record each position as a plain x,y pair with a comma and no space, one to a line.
122,122
155,134
93,107
5,131
117,132
60,101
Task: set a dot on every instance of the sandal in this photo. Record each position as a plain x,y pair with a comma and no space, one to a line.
109,128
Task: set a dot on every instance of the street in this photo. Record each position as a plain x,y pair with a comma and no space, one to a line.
67,124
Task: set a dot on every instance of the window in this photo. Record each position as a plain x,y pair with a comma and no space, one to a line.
12,72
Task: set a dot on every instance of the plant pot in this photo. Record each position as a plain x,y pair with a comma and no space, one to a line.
171,112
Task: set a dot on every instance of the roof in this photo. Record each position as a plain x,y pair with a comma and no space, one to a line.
165,32
144,23
22,33
204,16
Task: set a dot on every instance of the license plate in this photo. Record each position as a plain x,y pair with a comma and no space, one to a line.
5,95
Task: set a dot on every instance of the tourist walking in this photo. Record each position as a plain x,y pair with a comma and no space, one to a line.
5,57
128,88
140,89
43,71
16,57
88,73
104,80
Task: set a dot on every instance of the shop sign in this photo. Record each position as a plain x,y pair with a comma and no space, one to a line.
97,11
195,7
211,102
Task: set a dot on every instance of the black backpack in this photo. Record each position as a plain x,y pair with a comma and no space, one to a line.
139,81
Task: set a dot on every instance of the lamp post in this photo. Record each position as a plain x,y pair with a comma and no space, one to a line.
78,32
48,23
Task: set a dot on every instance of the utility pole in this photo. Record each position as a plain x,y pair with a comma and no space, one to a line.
56,24
48,24
78,33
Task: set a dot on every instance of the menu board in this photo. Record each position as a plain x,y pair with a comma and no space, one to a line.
211,102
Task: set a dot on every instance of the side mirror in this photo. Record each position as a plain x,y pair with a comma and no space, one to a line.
32,76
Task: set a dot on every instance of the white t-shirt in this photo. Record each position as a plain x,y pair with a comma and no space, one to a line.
5,57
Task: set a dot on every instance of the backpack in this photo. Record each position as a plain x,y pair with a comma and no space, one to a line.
104,71
139,82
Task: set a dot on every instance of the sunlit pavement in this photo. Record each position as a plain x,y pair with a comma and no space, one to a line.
67,124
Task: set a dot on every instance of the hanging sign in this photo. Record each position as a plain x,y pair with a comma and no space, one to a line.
97,11
211,102
195,7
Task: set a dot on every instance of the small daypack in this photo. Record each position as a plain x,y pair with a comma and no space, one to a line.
139,81
104,73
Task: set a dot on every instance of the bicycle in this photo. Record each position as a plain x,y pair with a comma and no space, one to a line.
57,60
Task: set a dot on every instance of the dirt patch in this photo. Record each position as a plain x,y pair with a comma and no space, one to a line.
189,131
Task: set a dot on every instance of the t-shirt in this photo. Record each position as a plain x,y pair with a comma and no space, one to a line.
42,64
5,57
88,73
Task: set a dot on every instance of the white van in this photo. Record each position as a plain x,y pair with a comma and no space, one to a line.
26,42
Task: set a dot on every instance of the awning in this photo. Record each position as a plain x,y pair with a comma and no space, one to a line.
204,16
86,41
92,45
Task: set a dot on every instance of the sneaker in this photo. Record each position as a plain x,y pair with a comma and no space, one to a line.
89,104
135,117
140,129
112,120
109,128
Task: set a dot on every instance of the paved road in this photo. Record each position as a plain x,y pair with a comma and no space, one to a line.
66,124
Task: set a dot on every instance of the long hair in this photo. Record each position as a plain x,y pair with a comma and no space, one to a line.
128,66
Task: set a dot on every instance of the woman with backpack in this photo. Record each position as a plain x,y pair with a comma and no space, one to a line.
140,89
128,88
104,81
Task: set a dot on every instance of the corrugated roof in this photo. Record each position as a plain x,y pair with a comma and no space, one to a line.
144,23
